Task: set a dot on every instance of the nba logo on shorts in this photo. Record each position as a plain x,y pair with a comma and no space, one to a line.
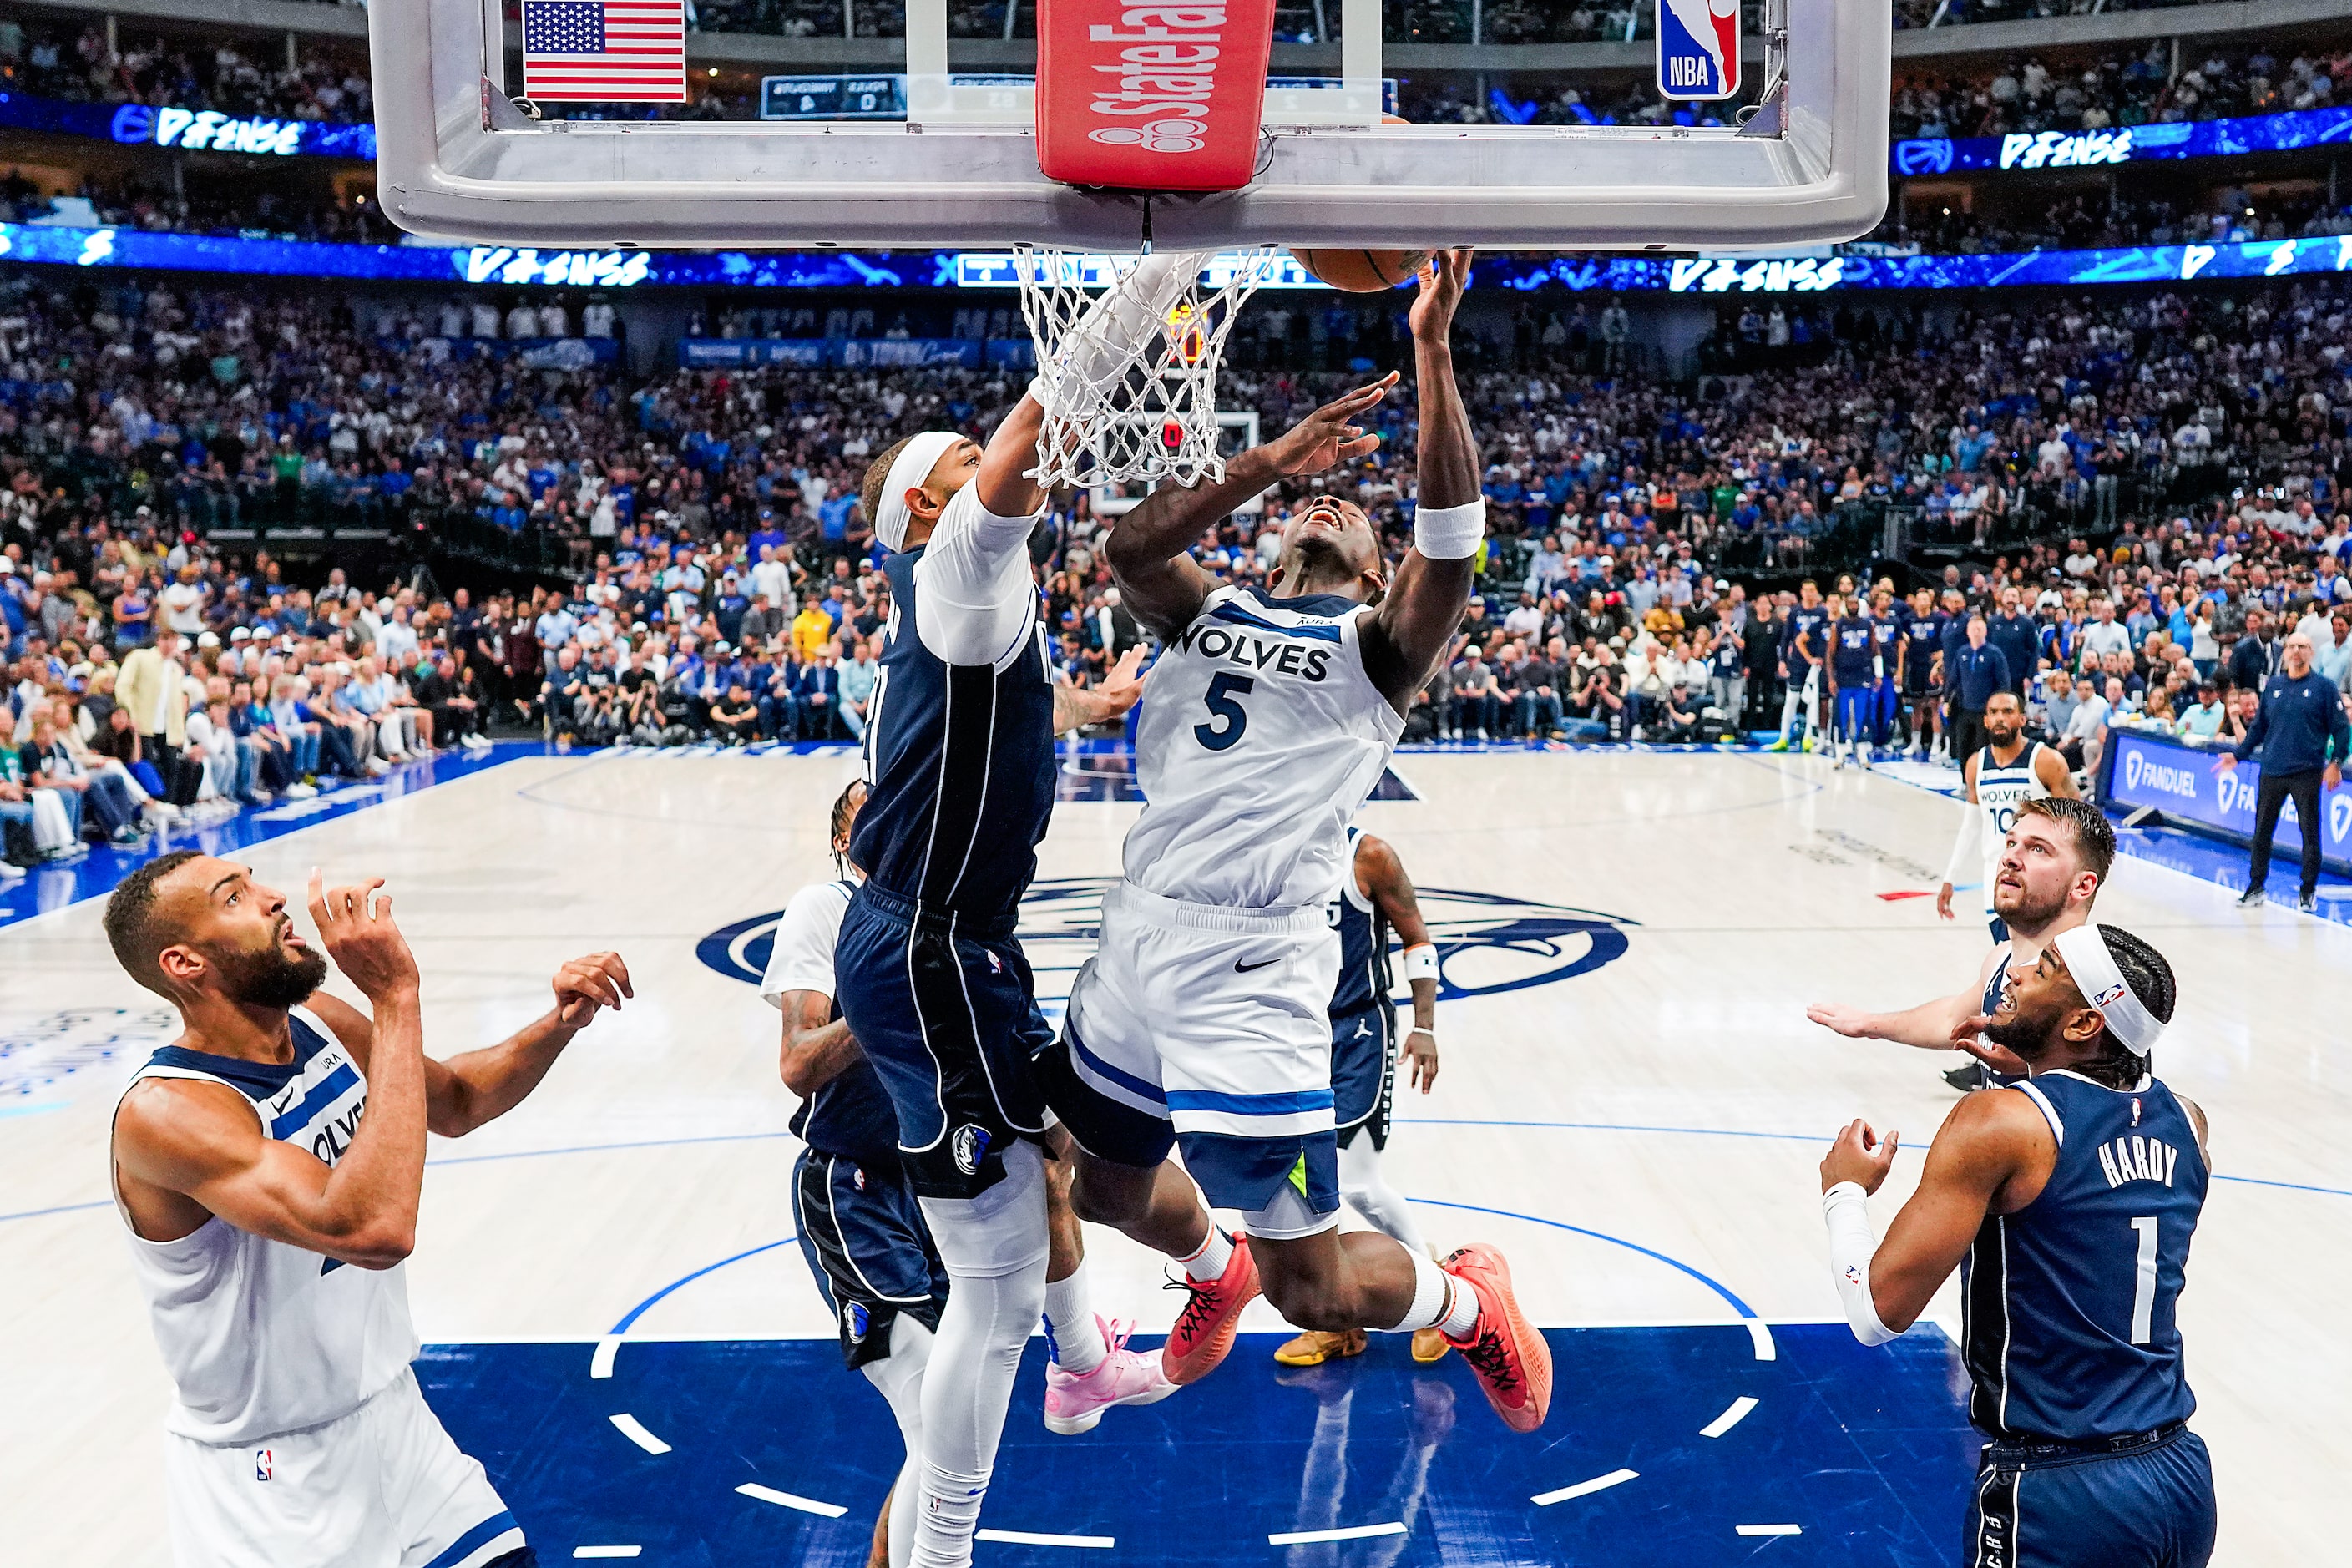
1698,48
261,1464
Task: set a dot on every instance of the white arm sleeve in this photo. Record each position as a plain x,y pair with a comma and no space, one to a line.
801,959
1845,1209
1964,842
978,600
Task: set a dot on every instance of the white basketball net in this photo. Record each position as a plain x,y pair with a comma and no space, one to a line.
1128,350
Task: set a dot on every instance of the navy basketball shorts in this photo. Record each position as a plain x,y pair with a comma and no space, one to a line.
1363,1073
2057,1506
861,1230
945,1008
1205,1027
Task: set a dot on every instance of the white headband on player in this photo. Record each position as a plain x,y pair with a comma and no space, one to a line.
2104,987
908,470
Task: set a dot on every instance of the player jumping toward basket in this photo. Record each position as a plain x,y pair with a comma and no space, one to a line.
1375,898
961,772
1203,1020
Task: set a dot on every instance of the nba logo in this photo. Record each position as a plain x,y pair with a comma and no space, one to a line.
262,1468
1698,48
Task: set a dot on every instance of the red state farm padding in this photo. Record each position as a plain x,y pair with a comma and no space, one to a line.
1151,98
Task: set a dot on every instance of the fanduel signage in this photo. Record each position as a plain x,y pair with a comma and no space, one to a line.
2182,784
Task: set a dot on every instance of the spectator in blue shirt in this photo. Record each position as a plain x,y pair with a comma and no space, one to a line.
1976,672
2304,738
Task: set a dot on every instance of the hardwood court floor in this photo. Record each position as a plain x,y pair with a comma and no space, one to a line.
1632,1105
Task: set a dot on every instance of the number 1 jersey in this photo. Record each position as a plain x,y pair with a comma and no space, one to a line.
1260,736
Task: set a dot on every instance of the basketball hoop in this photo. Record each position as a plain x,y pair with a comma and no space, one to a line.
1128,353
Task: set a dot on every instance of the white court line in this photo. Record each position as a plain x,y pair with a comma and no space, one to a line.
601,1364
1585,1489
1764,1348
1029,1537
635,1431
1309,1537
607,1551
786,1499
1729,1418
1770,1529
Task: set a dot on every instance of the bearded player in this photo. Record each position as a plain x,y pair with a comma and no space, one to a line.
2067,1200
2053,860
1202,1020
269,1164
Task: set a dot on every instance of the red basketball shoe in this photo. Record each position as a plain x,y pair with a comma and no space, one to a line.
1212,1313
1512,1362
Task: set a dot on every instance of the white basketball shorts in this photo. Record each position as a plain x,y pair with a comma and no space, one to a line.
383,1487
1216,1021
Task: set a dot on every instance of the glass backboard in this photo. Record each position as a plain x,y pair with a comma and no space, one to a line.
916,122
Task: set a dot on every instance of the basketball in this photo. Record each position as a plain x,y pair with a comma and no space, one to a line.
1361,271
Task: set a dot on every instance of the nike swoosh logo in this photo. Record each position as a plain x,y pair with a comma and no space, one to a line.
1240,968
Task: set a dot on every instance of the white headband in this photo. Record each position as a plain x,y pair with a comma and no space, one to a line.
2103,986
910,468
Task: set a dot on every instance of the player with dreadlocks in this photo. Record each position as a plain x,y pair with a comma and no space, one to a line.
2067,1200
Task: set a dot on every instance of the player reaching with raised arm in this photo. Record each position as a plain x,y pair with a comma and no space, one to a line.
1374,899
2068,1206
269,1164
2053,860
960,770
1203,1018
859,1220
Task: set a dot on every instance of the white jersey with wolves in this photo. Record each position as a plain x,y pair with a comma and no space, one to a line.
1999,792
262,1337
1261,734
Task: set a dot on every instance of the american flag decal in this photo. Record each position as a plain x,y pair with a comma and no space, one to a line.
630,51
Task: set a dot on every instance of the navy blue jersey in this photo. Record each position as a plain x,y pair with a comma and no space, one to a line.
1364,979
1850,644
1802,632
851,1116
1885,632
1954,638
1922,638
2069,1303
958,770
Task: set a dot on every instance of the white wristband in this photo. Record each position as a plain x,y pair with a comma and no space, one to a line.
1449,532
1845,1210
1420,961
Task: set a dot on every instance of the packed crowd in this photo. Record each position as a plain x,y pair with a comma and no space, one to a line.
239,206
72,62
2173,628
711,524
1955,12
2117,90
2087,220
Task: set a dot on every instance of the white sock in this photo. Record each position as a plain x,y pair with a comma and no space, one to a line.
1073,1334
950,1513
1433,1294
1207,1266
994,1246
1460,1314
